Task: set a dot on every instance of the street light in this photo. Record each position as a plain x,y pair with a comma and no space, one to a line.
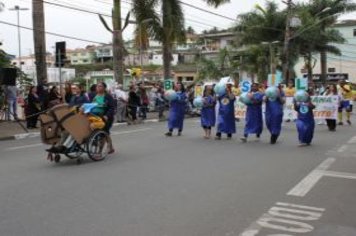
18,9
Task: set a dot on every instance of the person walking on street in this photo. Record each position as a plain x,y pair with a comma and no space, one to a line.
207,115
54,97
331,91
254,120
78,96
305,122
121,104
144,101
177,111
33,108
160,102
345,92
289,92
133,104
274,115
11,93
226,114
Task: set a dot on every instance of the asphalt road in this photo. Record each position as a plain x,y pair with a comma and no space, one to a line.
184,186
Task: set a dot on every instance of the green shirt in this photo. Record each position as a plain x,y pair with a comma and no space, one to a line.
99,110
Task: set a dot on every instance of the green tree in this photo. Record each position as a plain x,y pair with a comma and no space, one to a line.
171,30
328,10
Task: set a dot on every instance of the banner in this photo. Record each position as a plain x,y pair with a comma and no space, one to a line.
326,107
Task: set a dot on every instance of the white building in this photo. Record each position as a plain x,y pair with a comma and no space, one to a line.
52,74
343,66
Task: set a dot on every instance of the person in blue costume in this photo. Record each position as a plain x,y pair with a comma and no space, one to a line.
254,120
305,122
226,114
207,115
177,111
274,115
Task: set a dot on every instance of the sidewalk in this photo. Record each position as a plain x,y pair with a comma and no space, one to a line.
10,130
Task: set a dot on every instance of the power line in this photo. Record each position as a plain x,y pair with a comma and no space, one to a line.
187,19
54,34
206,11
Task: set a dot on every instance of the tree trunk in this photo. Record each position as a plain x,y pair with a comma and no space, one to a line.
166,44
310,67
39,40
118,45
323,66
167,57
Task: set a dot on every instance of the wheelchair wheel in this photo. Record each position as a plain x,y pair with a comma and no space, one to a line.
98,145
75,152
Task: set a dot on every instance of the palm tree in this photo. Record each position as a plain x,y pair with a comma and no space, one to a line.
168,31
329,17
39,40
263,24
315,39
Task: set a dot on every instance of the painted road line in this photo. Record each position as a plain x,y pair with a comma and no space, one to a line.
343,148
286,219
113,133
41,144
24,147
304,186
352,140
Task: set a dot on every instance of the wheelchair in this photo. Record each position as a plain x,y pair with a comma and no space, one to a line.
60,122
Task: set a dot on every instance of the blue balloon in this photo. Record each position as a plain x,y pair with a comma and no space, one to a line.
171,95
301,96
198,102
245,99
272,93
220,89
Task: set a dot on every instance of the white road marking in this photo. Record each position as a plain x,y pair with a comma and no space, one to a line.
130,131
352,140
286,218
304,186
41,144
25,146
343,148
299,206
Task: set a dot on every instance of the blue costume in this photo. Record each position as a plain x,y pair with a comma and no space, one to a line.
226,115
254,120
207,115
305,122
274,115
177,111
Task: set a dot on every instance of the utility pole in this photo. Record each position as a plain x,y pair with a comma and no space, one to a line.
287,37
39,39
118,47
18,9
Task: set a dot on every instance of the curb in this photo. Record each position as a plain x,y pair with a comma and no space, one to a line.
37,134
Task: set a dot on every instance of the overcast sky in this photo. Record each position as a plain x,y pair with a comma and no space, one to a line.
87,26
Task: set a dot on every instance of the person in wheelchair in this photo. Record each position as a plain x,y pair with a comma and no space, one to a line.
103,111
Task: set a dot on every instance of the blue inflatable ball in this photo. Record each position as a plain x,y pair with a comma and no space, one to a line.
272,93
220,89
245,99
171,95
198,102
301,96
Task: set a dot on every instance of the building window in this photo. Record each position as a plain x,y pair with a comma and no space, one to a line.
85,60
331,70
75,61
74,54
189,78
354,32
